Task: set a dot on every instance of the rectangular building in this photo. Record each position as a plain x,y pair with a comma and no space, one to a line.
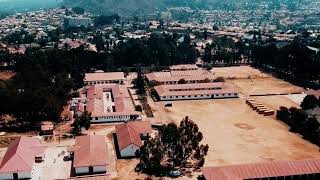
184,67
104,78
90,155
283,170
196,91
18,162
181,76
107,103
129,136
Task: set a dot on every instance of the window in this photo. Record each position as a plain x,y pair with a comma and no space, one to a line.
189,96
170,96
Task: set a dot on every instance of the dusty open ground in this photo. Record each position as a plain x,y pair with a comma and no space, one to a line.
236,134
239,72
254,82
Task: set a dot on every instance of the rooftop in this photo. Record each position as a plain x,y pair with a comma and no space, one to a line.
129,133
104,76
108,99
195,89
90,151
262,170
188,75
21,154
184,67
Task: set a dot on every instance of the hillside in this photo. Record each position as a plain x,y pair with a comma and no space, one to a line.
129,7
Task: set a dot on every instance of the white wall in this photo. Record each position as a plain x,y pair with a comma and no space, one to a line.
24,175
6,176
129,150
81,170
216,96
97,169
119,81
112,119
185,97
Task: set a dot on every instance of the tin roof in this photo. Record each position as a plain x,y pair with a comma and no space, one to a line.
262,170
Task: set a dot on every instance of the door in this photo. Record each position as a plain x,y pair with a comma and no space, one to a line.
90,170
15,175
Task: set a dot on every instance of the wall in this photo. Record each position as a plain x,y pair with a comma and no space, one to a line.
184,97
97,169
81,170
112,119
120,81
6,176
215,96
24,175
129,151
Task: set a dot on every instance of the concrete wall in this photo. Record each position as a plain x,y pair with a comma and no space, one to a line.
112,119
82,170
6,176
129,151
119,81
99,169
193,97
24,175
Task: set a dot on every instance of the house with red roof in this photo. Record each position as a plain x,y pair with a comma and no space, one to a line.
130,135
20,157
90,155
107,103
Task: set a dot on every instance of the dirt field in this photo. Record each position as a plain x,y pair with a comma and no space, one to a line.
254,82
274,102
239,72
236,134
262,86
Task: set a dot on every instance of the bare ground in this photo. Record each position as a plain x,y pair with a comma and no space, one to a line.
236,134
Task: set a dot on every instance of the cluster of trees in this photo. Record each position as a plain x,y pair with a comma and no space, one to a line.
310,102
78,10
158,50
173,147
294,61
106,20
44,82
224,50
19,37
82,121
300,122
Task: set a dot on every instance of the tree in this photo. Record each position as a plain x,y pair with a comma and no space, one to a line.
283,114
78,10
309,102
219,79
82,121
140,84
182,81
173,147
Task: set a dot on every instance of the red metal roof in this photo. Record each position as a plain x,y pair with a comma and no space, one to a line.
262,170
20,155
104,76
129,133
90,151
